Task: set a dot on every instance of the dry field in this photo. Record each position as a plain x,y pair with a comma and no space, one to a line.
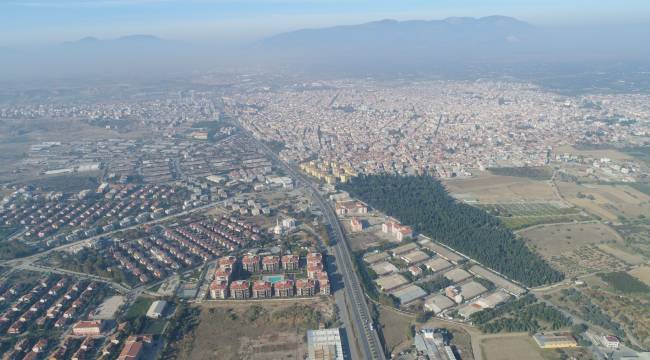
255,330
487,188
608,202
395,327
578,249
514,348
642,273
605,153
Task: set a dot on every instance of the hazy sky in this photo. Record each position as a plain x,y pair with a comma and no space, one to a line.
24,22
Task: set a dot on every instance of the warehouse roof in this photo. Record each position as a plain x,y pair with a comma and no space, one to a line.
409,293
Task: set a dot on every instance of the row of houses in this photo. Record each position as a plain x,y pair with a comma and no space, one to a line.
224,285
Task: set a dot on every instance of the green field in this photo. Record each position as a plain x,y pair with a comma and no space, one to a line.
522,215
139,308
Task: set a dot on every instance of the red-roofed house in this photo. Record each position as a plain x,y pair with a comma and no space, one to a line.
251,263
262,289
283,288
219,290
290,262
271,263
240,289
305,287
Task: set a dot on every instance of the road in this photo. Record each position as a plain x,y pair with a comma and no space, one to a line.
362,337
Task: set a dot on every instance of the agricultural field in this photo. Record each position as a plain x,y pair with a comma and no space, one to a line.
518,216
642,273
516,347
488,188
263,330
575,249
615,203
602,306
595,153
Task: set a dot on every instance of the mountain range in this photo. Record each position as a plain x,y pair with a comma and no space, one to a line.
452,45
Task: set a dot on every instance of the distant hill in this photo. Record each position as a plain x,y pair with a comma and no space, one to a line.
444,46
406,42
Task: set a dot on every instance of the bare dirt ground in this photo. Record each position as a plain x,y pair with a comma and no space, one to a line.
609,202
575,249
487,188
255,330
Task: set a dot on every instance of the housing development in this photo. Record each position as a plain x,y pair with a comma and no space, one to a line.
336,219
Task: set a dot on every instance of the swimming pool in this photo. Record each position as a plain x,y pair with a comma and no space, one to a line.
274,278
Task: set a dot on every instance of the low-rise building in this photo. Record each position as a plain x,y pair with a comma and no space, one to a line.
219,290
262,289
240,289
437,303
156,309
283,288
251,263
270,263
555,340
88,328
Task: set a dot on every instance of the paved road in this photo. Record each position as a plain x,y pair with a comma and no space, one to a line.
362,337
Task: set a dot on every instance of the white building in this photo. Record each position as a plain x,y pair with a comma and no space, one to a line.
156,309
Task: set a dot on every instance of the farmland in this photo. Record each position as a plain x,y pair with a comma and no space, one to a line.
487,188
520,346
575,249
521,215
608,202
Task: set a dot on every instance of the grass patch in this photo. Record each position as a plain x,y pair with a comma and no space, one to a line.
624,282
139,308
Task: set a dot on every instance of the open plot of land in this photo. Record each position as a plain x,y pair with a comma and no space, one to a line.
558,239
595,153
610,202
395,327
574,248
255,330
487,188
519,346
642,273
525,214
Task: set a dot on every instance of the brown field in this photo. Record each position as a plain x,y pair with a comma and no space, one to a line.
514,348
558,239
395,327
255,330
487,188
605,153
617,252
609,201
575,249
642,273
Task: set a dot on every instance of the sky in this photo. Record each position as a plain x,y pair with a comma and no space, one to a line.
37,22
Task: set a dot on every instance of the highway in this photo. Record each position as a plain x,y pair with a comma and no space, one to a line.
362,337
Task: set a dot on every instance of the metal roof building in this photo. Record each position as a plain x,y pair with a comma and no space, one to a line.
156,309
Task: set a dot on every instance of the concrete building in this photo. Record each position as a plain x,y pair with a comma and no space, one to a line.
324,345
240,289
409,294
457,275
251,263
437,264
390,282
283,288
219,290
271,263
290,262
305,287
414,257
262,289
438,303
88,328
383,268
